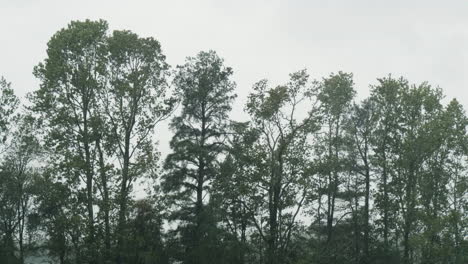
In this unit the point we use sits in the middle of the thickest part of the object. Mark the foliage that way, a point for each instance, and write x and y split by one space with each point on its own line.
312 176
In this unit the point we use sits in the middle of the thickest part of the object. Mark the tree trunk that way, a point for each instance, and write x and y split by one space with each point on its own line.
273 225
385 201
89 192
274 202
89 188
200 184
20 236
123 200
366 210
357 229
410 192
243 236
106 202
330 187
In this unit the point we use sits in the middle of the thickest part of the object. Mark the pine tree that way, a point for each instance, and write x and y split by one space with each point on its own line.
206 93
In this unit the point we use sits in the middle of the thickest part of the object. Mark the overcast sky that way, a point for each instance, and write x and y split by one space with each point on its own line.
421 40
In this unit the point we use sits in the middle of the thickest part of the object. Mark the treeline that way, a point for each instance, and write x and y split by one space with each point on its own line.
314 176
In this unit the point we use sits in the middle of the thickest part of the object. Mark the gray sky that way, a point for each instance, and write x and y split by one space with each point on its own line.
421 40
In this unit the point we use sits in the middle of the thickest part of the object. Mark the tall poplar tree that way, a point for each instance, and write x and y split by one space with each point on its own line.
133 102
336 95
284 118
386 96
70 78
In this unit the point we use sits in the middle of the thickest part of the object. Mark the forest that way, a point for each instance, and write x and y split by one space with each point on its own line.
314 175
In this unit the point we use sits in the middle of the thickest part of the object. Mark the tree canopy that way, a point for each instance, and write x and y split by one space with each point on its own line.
312 175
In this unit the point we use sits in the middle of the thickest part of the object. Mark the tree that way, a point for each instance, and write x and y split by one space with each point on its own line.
361 127
71 77
419 106
15 156
279 180
336 95
18 171
206 93
386 97
235 170
134 102
457 201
